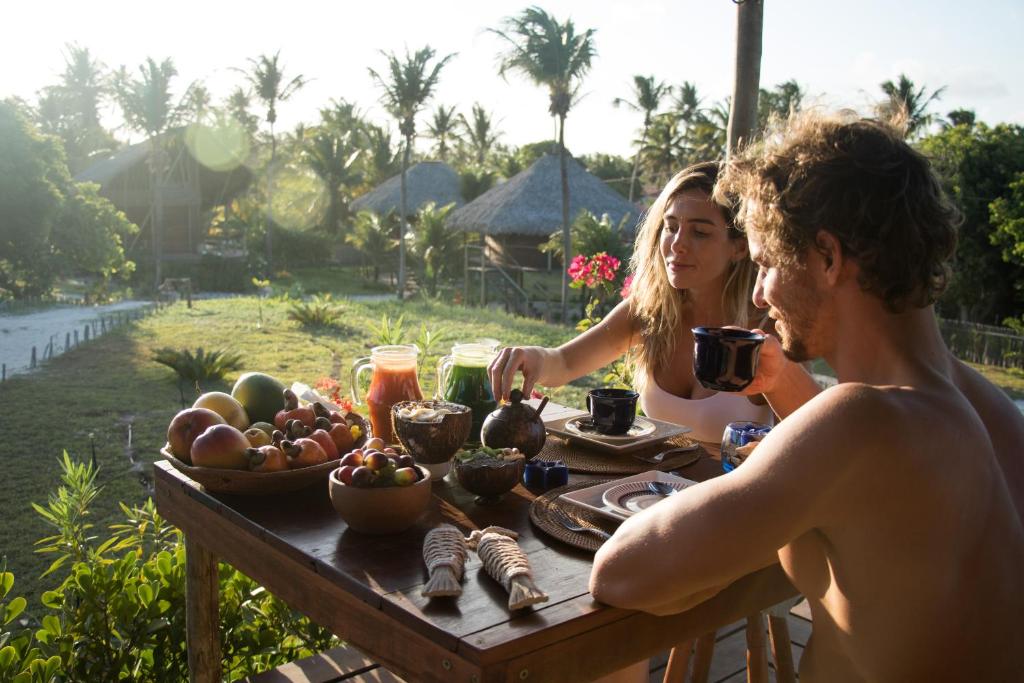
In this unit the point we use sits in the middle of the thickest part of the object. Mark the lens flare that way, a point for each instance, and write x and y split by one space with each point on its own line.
222 147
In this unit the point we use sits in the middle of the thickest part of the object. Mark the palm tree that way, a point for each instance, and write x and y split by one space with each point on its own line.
554 56
781 101
197 102
372 237
437 247
746 84
663 148
960 117
686 103
266 76
146 104
707 138
480 133
443 127
646 98
411 84
905 101
332 157
237 105
382 159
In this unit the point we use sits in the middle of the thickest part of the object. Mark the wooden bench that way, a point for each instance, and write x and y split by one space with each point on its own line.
340 664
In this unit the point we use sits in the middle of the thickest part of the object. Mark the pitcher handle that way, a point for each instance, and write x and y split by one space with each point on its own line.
444 366
358 366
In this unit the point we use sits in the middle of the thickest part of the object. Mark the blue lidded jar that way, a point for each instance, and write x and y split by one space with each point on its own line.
739 441
545 474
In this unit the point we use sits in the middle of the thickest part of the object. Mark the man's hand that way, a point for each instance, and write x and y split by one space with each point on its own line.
771 364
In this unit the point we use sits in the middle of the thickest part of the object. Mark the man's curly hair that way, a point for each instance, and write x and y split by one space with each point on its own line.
859 180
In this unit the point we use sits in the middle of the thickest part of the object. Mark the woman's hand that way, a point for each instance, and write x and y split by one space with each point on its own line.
529 360
771 364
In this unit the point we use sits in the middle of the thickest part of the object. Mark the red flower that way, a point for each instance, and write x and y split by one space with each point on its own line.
627 286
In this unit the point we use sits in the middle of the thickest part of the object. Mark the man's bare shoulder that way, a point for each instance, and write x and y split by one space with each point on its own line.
987 399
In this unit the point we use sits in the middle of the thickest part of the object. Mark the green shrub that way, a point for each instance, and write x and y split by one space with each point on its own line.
118 613
199 366
320 311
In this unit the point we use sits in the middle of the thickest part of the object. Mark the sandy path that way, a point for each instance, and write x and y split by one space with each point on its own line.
19 333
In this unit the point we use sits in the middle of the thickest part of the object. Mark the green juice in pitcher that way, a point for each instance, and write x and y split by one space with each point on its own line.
463 375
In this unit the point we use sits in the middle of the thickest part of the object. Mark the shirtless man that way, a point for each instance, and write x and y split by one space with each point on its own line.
894 500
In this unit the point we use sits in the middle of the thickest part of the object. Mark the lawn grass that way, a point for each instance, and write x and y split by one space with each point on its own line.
331 279
1010 380
90 396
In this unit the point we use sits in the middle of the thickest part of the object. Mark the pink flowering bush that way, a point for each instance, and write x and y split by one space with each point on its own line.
599 274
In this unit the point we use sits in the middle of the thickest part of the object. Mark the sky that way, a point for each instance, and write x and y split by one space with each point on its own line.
838 52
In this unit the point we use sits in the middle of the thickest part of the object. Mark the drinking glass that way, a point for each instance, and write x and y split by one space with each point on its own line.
393 379
739 441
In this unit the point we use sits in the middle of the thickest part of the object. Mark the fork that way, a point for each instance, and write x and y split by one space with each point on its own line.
563 518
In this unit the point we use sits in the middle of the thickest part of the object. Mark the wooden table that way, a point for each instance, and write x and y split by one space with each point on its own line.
366 589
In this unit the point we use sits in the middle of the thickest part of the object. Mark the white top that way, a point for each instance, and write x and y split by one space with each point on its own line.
707 416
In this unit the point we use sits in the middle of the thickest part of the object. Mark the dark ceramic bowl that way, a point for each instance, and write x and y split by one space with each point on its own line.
384 510
489 478
433 443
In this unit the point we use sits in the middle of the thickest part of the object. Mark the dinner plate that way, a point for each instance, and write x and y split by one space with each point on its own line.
634 496
584 426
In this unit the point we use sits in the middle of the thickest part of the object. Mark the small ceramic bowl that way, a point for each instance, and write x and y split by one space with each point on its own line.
488 478
432 444
385 510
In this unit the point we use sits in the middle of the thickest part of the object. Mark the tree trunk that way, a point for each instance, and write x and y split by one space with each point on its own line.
157 217
268 239
743 115
406 154
636 162
566 234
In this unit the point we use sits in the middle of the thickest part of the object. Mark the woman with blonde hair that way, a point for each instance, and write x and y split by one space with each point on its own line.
690 268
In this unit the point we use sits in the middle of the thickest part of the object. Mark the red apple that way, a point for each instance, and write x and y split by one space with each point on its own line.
186 427
221 446
326 443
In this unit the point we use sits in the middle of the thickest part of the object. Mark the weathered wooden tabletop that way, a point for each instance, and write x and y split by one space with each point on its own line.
367 588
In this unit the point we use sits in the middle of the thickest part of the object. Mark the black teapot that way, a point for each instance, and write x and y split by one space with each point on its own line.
515 425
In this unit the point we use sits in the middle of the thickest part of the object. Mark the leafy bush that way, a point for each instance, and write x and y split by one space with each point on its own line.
199 366
591 235
119 611
320 311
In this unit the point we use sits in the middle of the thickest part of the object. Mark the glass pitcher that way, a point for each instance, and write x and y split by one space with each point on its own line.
462 378
394 379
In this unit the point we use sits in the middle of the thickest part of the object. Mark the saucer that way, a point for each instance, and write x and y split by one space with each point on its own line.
633 496
584 426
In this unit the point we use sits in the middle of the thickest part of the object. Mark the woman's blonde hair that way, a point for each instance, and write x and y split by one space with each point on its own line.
653 301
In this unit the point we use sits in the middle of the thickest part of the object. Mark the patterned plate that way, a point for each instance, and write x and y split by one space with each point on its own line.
585 427
633 496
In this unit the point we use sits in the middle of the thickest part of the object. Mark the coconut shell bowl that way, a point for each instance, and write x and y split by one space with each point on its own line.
432 443
488 478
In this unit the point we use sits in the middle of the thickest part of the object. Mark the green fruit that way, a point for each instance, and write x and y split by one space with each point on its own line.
265 426
261 395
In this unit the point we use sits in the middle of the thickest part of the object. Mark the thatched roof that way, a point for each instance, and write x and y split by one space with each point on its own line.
530 203
106 170
427 181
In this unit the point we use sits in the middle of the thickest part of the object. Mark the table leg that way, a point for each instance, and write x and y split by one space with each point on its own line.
202 614
782 651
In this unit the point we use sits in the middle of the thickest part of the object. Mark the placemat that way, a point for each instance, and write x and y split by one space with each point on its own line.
581 459
541 516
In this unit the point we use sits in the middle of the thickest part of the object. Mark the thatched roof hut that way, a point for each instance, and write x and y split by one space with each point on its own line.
427 181
189 189
518 215
530 203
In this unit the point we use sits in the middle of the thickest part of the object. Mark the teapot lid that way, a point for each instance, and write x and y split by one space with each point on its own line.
516 409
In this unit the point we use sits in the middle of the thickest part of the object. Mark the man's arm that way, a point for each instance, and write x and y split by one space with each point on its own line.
696 542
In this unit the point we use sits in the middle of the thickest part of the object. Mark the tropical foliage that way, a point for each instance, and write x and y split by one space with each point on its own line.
436 247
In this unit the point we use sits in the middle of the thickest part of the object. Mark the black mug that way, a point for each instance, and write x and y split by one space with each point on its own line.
725 359
612 411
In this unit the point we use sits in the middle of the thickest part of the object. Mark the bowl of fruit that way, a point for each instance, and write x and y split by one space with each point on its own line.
376 490
489 472
432 431
214 444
